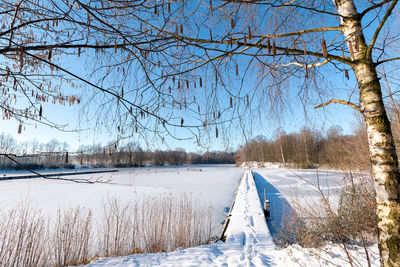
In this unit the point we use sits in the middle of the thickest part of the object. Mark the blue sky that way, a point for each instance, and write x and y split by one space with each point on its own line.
296 115
293 119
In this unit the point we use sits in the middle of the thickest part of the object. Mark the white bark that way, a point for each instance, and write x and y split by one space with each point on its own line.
382 150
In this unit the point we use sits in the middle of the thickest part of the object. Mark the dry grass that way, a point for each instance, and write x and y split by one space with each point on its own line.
23 238
28 238
71 237
160 230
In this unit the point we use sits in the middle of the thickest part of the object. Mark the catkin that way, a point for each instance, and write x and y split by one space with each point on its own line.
273 48
324 49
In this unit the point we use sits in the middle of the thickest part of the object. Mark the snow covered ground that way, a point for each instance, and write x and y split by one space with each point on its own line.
249 243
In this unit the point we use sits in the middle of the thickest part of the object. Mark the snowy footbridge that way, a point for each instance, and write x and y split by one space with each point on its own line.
246 216
248 240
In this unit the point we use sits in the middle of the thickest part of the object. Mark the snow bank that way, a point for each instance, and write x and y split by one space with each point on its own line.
256 164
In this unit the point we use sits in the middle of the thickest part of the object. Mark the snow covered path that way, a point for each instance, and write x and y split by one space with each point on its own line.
248 243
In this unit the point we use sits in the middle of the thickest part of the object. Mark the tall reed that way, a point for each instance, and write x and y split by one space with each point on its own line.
75 236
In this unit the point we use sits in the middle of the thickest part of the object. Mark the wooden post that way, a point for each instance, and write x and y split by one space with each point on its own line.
267 206
267 209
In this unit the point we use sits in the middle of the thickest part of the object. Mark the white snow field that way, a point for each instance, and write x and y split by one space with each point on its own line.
249 242
209 184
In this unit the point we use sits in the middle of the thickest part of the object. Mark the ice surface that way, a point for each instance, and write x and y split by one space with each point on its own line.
209 184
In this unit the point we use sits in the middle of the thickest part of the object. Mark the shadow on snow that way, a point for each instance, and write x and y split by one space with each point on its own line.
282 215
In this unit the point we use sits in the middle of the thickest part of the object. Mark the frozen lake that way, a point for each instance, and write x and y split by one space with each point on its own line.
210 185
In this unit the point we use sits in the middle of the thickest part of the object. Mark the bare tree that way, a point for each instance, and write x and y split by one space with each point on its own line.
7 145
158 63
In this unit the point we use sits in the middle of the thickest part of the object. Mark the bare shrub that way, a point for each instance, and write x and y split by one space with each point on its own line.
160 228
72 236
293 230
352 222
153 224
118 229
355 219
23 237
164 223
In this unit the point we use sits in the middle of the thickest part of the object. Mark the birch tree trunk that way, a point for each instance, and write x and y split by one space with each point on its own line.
382 149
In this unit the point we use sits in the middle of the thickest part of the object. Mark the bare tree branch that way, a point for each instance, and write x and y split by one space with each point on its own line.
85 181
379 28
338 101
369 9
387 60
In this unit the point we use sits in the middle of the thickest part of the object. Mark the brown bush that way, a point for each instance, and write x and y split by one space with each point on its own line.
353 222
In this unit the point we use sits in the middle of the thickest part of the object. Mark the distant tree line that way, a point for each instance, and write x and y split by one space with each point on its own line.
54 154
308 148
305 149
132 155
